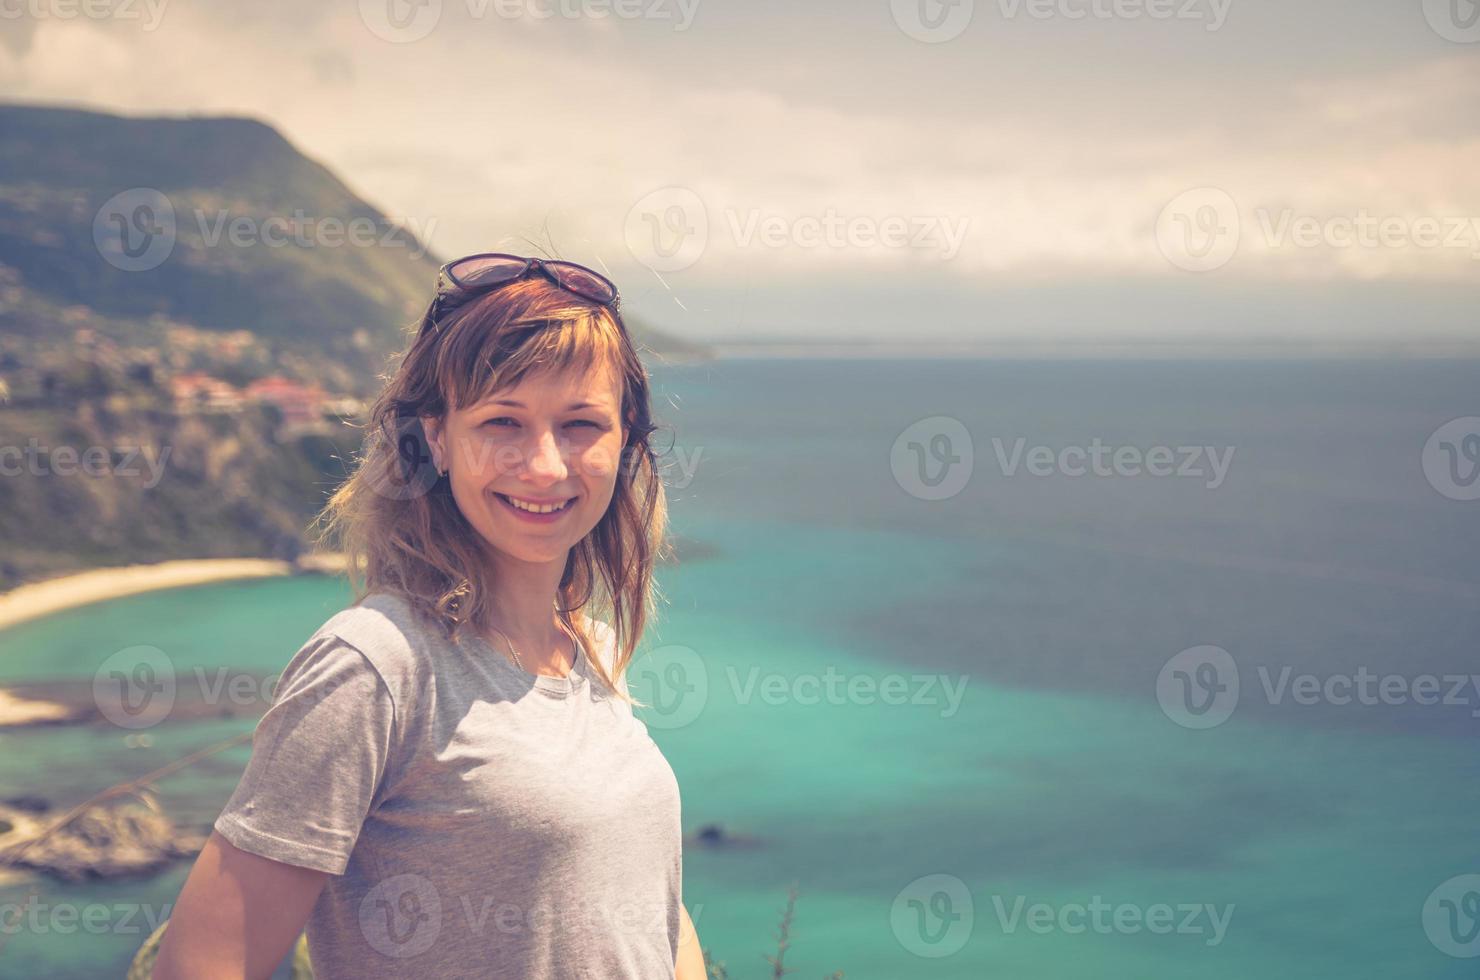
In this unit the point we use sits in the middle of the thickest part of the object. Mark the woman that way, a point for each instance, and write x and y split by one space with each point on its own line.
450 781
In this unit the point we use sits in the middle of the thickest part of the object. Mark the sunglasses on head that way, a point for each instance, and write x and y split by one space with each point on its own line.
473 275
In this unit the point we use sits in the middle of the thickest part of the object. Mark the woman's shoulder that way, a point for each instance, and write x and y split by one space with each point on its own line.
387 630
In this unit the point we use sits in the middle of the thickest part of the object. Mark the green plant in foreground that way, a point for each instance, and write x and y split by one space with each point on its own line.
718 971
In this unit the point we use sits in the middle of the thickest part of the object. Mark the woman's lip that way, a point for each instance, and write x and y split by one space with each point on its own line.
537 503
531 517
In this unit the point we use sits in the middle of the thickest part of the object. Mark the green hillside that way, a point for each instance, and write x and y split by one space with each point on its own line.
195 285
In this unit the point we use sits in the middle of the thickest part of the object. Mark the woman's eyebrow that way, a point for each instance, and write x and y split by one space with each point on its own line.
574 406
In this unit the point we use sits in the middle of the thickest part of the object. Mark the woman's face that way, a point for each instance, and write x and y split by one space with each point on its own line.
553 439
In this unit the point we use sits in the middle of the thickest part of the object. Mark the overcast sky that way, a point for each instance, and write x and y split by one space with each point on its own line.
996 169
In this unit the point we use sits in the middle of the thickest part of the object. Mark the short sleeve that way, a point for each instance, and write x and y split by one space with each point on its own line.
319 759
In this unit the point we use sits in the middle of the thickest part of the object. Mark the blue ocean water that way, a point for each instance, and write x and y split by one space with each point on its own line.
955 724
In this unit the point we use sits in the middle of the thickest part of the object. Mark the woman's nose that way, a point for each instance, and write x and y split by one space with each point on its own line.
547 456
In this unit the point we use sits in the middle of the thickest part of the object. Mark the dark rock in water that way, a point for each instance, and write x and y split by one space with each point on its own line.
29 803
716 836
105 841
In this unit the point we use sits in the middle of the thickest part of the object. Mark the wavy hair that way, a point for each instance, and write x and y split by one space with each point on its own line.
395 518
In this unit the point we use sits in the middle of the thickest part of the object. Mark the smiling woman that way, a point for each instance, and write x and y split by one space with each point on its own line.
450 780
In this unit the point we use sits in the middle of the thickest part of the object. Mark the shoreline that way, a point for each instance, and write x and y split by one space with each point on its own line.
35 600
66 592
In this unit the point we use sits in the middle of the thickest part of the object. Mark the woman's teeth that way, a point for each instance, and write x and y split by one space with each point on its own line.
536 508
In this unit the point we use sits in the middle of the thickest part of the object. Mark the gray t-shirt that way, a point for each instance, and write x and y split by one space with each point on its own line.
476 820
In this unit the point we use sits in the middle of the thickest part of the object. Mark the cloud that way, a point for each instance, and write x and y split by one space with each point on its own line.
496 131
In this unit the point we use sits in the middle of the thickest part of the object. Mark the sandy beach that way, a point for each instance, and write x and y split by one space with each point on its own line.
37 599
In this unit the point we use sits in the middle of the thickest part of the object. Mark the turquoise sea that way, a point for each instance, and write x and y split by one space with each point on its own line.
952 723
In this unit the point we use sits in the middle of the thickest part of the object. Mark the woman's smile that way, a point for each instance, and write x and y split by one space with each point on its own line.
537 510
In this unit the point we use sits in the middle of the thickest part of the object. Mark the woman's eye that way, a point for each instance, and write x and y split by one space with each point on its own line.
502 419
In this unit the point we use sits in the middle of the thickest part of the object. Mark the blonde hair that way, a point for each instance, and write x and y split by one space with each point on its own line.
395 518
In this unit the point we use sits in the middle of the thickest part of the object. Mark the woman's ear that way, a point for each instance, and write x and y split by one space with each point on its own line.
431 427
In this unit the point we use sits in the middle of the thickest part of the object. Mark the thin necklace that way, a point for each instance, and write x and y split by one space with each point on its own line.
520 661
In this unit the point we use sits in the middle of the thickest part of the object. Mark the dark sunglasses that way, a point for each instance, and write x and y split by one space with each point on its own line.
473 275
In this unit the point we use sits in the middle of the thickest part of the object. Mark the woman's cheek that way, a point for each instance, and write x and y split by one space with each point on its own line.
599 462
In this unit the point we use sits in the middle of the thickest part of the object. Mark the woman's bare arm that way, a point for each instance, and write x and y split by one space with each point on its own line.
237 916
690 964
